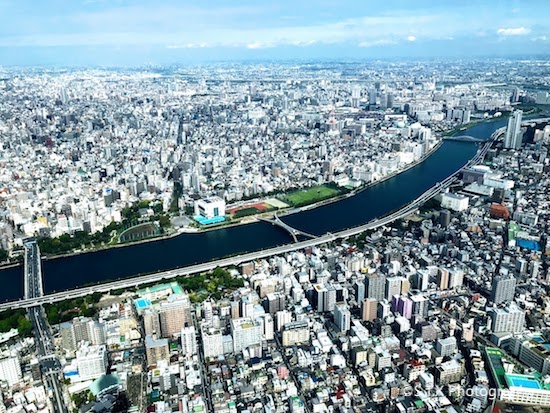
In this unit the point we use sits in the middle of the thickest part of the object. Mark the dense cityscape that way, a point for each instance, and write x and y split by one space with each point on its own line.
443 309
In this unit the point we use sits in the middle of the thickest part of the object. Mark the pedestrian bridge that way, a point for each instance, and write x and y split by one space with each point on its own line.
291 230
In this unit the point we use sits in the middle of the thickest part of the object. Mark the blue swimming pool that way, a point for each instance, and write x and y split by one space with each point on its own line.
142 303
522 381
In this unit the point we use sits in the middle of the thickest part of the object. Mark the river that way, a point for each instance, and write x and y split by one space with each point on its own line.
378 200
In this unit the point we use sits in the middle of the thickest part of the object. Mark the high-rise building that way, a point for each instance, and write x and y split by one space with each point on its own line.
342 317
422 279
442 278
355 96
393 287
268 327
283 317
503 289
157 350
10 370
405 307
507 320
81 329
174 314
369 309
245 333
212 341
296 333
446 346
456 278
426 331
514 137
419 305
91 361
359 290
189 341
151 322
375 285
324 297
274 302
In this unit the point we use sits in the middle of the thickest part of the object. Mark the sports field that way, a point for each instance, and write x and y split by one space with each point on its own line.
311 195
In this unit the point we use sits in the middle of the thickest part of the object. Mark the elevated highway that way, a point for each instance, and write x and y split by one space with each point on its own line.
50 365
28 302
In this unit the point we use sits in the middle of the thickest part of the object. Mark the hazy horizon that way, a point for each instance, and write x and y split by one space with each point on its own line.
124 33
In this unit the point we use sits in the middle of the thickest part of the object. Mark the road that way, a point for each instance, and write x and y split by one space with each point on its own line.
225 262
50 365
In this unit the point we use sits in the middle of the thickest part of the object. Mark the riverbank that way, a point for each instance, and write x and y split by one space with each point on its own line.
366 186
204 247
249 219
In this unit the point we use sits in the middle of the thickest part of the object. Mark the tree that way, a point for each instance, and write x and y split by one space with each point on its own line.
164 221
24 327
3 255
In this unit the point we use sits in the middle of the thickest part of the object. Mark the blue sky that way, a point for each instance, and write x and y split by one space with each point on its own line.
124 32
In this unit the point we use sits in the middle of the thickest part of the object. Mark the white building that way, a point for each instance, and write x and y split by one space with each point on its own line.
455 202
245 333
188 341
209 208
513 137
446 346
10 370
91 361
507 320
530 396
296 333
212 341
342 317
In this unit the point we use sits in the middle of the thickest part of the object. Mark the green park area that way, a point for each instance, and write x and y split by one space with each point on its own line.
311 195
15 319
69 309
210 284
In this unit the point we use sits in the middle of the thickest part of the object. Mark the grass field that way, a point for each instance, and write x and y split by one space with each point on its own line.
311 195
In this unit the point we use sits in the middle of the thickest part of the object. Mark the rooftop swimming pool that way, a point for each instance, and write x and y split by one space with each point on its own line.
516 380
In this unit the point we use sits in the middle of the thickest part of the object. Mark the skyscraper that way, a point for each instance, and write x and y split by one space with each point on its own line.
504 288
513 137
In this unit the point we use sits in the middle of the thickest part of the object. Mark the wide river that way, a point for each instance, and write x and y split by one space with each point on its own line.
186 249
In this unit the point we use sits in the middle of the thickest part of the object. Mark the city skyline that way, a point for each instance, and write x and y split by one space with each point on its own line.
123 33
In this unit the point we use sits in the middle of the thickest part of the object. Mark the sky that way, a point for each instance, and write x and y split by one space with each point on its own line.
140 32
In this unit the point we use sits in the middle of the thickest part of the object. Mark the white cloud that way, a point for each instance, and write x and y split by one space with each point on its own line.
379 42
513 31
411 38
